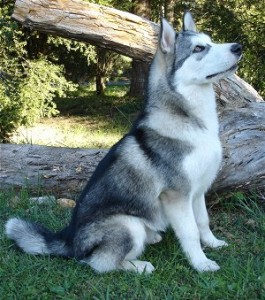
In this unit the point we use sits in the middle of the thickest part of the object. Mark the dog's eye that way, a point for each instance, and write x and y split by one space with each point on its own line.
198 49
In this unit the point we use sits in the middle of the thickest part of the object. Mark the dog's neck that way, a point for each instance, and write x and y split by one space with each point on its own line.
195 104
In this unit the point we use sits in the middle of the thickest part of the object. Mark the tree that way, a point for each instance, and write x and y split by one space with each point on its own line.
101 69
139 70
170 11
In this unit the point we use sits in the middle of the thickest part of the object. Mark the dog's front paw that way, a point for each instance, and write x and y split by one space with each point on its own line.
215 243
206 265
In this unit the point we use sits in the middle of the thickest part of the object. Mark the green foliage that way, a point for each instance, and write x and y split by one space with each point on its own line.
27 86
78 58
12 48
44 81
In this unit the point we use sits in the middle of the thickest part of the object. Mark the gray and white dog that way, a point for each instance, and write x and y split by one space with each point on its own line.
156 175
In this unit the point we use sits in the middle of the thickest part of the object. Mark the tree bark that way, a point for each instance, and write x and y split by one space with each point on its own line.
242 132
139 73
242 118
139 70
101 70
61 171
99 25
169 11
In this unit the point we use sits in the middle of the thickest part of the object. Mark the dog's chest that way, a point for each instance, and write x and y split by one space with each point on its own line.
203 162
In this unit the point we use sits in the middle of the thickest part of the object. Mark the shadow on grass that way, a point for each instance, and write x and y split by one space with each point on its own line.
85 102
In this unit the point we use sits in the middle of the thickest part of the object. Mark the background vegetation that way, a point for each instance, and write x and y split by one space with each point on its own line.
36 68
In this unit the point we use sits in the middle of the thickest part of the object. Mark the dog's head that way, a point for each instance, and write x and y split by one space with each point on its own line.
192 58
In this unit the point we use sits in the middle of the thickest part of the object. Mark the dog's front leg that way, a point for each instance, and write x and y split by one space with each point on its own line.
202 220
180 215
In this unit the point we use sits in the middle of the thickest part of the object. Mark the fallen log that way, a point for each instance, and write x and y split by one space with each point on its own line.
99 25
64 171
60 171
242 132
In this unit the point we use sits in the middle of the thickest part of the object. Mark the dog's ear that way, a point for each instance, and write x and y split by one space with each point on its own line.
188 22
167 37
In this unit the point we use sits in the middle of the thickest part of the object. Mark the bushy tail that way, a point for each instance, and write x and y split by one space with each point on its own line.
36 239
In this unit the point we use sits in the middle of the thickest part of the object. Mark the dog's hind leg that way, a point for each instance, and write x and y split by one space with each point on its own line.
202 220
140 235
180 214
130 263
123 241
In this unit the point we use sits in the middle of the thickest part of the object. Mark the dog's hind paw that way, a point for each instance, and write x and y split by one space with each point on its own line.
206 265
138 266
156 238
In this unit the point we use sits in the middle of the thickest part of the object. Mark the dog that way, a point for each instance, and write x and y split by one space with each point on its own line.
157 175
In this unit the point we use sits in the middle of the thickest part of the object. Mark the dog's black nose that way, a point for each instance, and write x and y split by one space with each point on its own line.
237 49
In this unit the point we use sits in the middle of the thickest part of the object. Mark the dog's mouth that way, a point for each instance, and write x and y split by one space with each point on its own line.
233 68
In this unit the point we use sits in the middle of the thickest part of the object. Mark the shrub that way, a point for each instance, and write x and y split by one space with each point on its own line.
27 87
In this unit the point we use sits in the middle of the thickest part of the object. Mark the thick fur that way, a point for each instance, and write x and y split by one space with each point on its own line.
157 175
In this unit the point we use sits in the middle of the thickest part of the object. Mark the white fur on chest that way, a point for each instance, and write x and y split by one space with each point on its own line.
202 164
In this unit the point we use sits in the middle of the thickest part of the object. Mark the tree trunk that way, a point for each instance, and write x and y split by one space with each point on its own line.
169 11
242 118
139 74
242 132
100 84
60 171
100 72
139 71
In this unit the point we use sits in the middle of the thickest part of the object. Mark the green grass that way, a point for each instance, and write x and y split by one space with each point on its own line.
85 120
239 220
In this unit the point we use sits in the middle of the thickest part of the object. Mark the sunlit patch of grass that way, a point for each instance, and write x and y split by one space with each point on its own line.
86 120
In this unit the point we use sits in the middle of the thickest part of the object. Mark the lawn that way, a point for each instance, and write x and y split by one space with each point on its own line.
86 120
239 220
